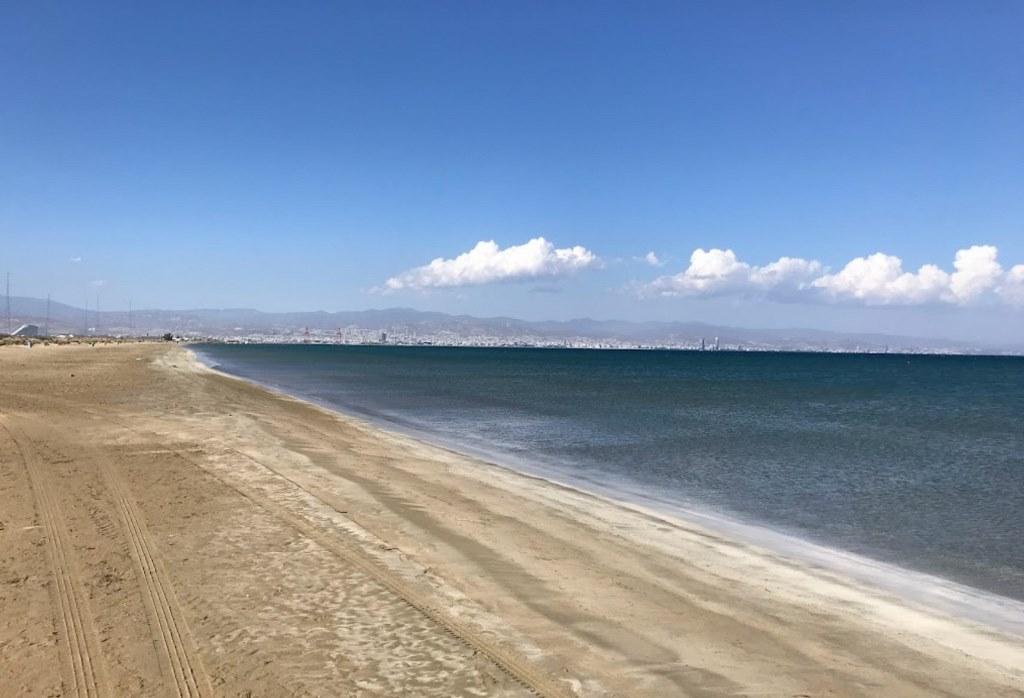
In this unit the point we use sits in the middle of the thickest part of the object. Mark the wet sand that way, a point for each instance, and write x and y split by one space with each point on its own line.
166 530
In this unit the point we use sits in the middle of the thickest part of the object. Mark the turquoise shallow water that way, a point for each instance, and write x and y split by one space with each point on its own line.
914 460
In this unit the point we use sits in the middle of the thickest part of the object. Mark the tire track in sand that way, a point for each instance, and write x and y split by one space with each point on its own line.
174 639
351 551
513 666
84 671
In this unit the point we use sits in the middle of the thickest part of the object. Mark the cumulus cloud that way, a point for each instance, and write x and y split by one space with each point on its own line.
1012 288
76 260
877 279
785 273
719 272
977 271
652 259
488 263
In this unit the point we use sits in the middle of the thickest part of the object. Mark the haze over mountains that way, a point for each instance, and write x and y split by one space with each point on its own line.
438 327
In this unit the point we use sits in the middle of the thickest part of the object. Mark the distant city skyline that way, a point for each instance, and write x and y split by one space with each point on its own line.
850 168
412 327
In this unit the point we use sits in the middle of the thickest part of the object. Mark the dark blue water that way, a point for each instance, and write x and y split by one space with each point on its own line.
916 460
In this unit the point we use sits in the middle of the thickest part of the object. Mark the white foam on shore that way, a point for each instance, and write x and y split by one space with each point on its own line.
927 591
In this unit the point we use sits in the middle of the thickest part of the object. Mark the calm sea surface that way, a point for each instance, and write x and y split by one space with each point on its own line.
915 460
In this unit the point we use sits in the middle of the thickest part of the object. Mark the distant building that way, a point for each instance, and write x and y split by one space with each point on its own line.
26 331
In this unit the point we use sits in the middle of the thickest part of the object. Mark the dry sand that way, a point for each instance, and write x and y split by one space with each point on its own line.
165 530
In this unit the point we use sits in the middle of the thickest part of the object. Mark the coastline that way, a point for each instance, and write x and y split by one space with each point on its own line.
307 549
925 593
932 593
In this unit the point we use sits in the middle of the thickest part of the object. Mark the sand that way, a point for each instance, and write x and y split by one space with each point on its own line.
166 530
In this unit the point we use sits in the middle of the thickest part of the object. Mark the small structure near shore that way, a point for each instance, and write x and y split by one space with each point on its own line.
26 331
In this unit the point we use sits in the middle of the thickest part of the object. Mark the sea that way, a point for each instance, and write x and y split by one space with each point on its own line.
907 468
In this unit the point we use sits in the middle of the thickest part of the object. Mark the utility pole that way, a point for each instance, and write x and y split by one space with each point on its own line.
46 327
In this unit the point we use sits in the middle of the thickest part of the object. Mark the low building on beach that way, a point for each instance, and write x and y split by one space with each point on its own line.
26 331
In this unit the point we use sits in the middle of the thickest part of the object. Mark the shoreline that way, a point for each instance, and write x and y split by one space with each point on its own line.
297 549
904 353
929 591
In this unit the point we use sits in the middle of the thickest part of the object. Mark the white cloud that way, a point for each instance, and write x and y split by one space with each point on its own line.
787 272
977 271
76 260
719 272
1012 288
99 283
488 263
877 279
652 259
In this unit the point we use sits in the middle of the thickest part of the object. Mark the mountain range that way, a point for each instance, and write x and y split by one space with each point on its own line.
246 322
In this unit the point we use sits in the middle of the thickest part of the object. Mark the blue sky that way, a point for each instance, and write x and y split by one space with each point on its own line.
300 156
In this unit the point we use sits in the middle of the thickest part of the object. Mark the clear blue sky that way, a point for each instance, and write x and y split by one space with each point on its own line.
299 155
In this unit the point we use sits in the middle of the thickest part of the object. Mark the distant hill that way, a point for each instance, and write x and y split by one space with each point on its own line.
236 322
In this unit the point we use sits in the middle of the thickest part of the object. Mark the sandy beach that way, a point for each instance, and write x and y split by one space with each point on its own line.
168 530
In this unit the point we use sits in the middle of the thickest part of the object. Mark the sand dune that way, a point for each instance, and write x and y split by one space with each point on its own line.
166 530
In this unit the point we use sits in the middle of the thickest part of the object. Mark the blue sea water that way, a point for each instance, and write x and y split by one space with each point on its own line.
911 460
